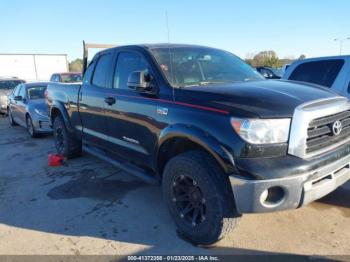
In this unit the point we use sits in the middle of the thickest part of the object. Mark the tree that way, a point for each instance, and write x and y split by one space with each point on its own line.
265 58
76 65
301 57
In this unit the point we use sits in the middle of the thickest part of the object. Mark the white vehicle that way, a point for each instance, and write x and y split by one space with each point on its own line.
7 84
32 67
332 72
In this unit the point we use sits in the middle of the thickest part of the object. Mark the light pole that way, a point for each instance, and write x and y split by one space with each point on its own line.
341 41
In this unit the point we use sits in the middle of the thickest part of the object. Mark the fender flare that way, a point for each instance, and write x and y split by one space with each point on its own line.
61 108
200 137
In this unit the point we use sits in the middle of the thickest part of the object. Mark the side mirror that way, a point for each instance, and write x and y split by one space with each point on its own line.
140 80
18 98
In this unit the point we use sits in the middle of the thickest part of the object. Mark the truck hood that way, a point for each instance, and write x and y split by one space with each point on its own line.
263 99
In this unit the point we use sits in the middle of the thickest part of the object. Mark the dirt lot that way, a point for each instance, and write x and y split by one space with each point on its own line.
89 207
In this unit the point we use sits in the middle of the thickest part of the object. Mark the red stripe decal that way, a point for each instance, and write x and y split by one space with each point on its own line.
178 103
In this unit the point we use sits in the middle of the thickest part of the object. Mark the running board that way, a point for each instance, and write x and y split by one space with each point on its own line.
127 168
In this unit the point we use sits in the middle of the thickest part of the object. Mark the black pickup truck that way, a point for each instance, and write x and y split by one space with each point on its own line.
220 139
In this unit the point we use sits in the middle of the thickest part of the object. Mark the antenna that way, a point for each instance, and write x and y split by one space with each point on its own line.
170 60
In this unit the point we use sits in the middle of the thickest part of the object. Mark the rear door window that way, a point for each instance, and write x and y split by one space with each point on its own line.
318 72
88 73
101 71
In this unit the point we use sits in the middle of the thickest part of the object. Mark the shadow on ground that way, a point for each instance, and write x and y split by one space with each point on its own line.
91 198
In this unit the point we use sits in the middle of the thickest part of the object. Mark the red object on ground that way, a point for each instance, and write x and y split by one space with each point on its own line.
55 159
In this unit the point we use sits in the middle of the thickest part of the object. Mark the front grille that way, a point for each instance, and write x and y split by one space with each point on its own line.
320 131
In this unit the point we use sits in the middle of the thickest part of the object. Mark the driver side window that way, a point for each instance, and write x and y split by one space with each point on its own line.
127 63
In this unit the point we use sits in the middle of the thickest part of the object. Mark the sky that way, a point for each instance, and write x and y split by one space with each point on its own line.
290 28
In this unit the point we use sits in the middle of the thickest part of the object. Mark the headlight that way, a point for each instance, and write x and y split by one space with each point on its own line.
262 131
41 112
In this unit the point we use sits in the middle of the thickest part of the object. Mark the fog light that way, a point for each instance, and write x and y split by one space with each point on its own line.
272 196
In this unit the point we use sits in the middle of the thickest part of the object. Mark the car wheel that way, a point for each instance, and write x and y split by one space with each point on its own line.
199 198
65 143
30 127
10 117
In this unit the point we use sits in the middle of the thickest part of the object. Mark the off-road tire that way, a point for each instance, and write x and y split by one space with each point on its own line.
65 143
221 216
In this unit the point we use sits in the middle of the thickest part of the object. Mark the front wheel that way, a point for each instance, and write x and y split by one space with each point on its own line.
199 198
30 127
65 143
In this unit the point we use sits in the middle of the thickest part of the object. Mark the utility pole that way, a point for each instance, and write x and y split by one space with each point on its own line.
341 41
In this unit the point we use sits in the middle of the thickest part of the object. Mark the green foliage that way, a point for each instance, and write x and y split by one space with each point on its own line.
270 58
76 65
266 58
301 57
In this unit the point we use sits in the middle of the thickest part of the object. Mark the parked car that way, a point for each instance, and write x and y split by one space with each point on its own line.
331 72
220 139
269 72
7 84
69 77
27 107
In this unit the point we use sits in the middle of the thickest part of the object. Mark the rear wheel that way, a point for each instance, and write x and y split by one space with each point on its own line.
199 198
30 127
65 143
10 117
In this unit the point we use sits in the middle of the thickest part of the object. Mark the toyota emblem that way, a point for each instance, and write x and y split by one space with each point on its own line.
337 128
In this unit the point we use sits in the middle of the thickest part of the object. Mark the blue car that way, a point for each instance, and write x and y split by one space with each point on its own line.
27 107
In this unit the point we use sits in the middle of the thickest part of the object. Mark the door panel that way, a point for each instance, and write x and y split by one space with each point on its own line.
91 100
131 124
91 109
21 106
13 103
132 127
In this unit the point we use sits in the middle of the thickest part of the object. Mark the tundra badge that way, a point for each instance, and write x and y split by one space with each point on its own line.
162 111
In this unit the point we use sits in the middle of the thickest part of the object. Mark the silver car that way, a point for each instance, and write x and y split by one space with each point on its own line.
6 87
27 107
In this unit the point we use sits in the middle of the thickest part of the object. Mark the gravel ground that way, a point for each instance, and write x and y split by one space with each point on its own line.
89 207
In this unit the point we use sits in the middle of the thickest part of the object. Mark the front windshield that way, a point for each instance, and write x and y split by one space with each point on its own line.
36 92
9 84
194 66
71 78
277 71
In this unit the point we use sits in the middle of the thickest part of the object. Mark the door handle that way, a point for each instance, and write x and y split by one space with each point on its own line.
110 100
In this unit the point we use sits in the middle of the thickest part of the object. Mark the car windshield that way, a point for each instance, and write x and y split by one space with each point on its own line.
195 66
9 84
278 71
36 92
71 78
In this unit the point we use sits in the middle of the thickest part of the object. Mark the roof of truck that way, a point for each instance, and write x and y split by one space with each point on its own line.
161 45
169 45
325 58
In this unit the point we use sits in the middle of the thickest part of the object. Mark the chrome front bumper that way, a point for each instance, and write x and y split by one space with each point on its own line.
297 190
